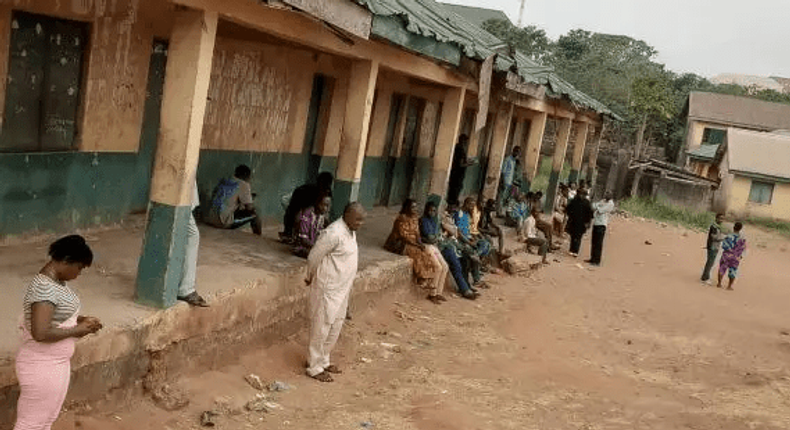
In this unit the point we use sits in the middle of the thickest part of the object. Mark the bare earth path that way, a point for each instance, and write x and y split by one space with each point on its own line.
636 344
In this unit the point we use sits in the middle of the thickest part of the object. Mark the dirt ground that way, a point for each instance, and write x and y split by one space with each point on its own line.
639 343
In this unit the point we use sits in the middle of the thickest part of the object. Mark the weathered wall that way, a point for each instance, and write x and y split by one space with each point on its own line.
274 176
114 86
739 204
57 192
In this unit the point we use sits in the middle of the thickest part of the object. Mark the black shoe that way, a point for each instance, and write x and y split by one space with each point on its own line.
469 295
194 299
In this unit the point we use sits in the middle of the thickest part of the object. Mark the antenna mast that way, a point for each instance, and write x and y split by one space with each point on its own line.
521 14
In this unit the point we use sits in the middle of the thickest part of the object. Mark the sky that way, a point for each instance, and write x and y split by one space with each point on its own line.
706 37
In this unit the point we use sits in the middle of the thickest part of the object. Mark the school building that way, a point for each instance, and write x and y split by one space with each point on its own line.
114 108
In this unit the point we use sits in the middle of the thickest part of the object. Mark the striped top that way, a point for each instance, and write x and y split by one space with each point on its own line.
44 289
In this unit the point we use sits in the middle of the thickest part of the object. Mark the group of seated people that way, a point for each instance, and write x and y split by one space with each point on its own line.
306 214
456 242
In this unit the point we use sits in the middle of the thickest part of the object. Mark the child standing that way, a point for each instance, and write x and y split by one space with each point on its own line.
733 249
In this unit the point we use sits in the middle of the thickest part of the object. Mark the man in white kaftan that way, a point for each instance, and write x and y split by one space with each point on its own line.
331 270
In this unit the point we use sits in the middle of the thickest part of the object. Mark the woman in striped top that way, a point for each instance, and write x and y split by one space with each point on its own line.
50 327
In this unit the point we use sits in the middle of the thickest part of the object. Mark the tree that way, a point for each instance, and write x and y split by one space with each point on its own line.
530 40
652 96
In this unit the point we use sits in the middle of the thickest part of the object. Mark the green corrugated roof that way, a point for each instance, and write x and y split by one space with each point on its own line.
430 19
477 15
704 152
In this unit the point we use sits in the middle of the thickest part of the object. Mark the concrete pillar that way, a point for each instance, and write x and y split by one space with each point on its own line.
183 108
496 153
578 151
592 162
563 136
531 154
359 104
446 139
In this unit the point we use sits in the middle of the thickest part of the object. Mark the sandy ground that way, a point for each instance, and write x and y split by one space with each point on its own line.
636 344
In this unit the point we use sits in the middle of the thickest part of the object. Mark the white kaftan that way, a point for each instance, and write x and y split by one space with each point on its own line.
331 270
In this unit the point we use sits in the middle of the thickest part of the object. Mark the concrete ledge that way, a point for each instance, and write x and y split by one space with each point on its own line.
174 340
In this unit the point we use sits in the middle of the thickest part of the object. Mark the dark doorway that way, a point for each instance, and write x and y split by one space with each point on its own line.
317 119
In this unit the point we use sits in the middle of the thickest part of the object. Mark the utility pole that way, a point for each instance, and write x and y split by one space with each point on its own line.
521 14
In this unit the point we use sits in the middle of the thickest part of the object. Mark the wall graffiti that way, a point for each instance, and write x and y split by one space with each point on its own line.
250 99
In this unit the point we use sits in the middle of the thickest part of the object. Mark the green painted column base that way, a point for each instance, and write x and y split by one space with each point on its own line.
551 192
573 176
344 192
162 260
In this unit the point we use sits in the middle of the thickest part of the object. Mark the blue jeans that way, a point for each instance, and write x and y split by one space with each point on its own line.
712 254
456 269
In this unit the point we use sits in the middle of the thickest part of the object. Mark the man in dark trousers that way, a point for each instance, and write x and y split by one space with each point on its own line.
602 211
302 198
580 213
715 237
458 171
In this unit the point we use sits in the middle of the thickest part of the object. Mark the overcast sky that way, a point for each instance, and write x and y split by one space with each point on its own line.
707 37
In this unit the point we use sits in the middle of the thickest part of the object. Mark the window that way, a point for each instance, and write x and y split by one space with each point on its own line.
713 136
44 79
761 192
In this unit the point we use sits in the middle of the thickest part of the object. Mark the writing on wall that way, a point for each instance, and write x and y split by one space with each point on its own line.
251 98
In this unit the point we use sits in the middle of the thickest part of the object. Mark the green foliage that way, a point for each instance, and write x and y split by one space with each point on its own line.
621 72
781 227
677 215
530 40
541 181
670 214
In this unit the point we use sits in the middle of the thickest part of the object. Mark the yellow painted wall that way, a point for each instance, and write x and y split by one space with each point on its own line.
114 87
260 94
739 204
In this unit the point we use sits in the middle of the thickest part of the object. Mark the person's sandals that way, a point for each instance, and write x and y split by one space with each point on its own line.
194 299
435 300
323 377
333 369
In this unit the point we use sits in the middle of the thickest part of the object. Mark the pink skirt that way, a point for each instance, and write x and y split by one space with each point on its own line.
44 372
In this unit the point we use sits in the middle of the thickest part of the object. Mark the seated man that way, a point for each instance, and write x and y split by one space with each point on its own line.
489 228
309 223
231 203
467 220
518 212
302 198
470 261
530 226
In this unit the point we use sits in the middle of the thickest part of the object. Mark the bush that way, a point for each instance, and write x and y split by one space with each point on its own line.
670 214
677 215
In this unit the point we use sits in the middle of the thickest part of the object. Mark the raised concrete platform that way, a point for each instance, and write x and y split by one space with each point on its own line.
254 285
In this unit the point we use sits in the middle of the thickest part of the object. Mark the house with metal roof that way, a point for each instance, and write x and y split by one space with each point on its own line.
709 115
754 168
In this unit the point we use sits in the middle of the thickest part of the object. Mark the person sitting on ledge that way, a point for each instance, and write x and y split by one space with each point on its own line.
231 203
405 240
309 223
304 197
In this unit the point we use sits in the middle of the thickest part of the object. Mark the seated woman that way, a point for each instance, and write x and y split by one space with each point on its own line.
405 240
50 327
309 223
431 234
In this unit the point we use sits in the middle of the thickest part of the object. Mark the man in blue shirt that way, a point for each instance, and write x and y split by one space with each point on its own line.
510 171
